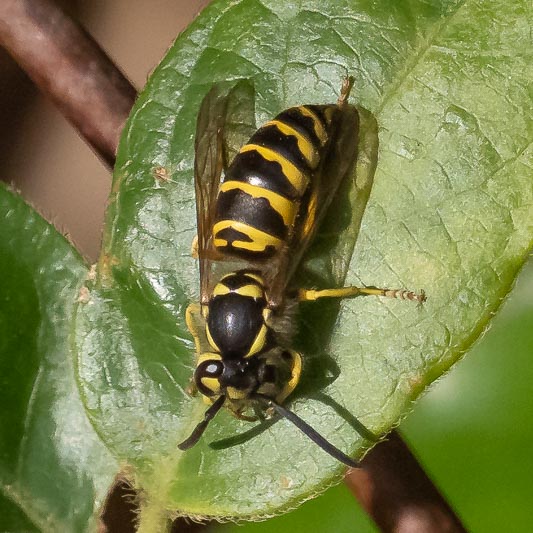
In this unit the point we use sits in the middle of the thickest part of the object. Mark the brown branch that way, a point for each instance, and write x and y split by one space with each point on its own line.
396 492
69 67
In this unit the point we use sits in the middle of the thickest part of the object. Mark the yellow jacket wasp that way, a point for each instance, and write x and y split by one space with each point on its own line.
262 212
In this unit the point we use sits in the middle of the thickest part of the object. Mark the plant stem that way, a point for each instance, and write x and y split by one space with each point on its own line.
70 68
396 492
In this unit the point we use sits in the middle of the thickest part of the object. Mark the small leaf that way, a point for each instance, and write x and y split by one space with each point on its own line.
450 212
54 471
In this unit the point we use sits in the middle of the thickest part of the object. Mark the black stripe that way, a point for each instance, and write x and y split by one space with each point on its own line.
251 167
285 145
319 111
239 279
256 212
231 234
302 124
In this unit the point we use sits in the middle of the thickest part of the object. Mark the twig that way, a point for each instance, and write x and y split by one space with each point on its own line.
396 492
68 66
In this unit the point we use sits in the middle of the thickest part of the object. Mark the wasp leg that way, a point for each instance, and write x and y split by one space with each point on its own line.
193 310
194 247
295 362
238 414
260 413
209 253
310 295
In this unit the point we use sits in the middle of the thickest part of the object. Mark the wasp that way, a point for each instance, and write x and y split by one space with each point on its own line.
261 213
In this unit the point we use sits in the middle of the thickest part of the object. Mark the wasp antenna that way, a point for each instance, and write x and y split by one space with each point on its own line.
200 428
305 428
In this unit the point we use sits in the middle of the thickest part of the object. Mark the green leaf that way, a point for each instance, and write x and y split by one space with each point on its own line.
450 212
54 471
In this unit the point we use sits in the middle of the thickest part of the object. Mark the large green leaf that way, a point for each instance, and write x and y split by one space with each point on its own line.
450 212
54 471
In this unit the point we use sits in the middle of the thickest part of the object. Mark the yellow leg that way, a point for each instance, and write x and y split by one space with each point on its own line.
310 295
192 310
296 371
194 247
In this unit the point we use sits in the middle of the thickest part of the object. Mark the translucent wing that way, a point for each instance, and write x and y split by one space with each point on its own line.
336 165
225 117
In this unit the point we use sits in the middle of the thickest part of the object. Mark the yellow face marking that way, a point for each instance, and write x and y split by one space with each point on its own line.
320 131
304 144
260 239
285 207
236 394
298 179
259 342
212 384
266 314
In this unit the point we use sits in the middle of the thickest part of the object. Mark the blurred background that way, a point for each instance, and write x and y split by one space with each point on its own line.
472 432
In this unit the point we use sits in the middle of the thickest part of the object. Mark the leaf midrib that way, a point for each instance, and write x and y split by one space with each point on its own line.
410 66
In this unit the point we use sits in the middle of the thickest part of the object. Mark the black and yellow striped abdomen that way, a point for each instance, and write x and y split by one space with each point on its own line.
261 193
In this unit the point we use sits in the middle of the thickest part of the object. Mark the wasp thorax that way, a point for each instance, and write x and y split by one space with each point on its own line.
237 316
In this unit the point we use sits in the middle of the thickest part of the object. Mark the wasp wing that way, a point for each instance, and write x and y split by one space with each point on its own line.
336 165
225 118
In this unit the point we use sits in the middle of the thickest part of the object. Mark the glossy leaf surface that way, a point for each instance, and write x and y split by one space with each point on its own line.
450 211
54 471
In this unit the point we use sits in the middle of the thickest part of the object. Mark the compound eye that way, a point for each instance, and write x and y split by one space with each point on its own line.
206 377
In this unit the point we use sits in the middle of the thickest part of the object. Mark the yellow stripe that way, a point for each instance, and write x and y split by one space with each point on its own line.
259 342
255 277
210 339
328 114
304 144
220 289
260 239
320 131
298 179
251 290
209 356
285 207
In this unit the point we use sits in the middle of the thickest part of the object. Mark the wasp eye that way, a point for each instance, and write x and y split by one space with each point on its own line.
206 376
213 369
